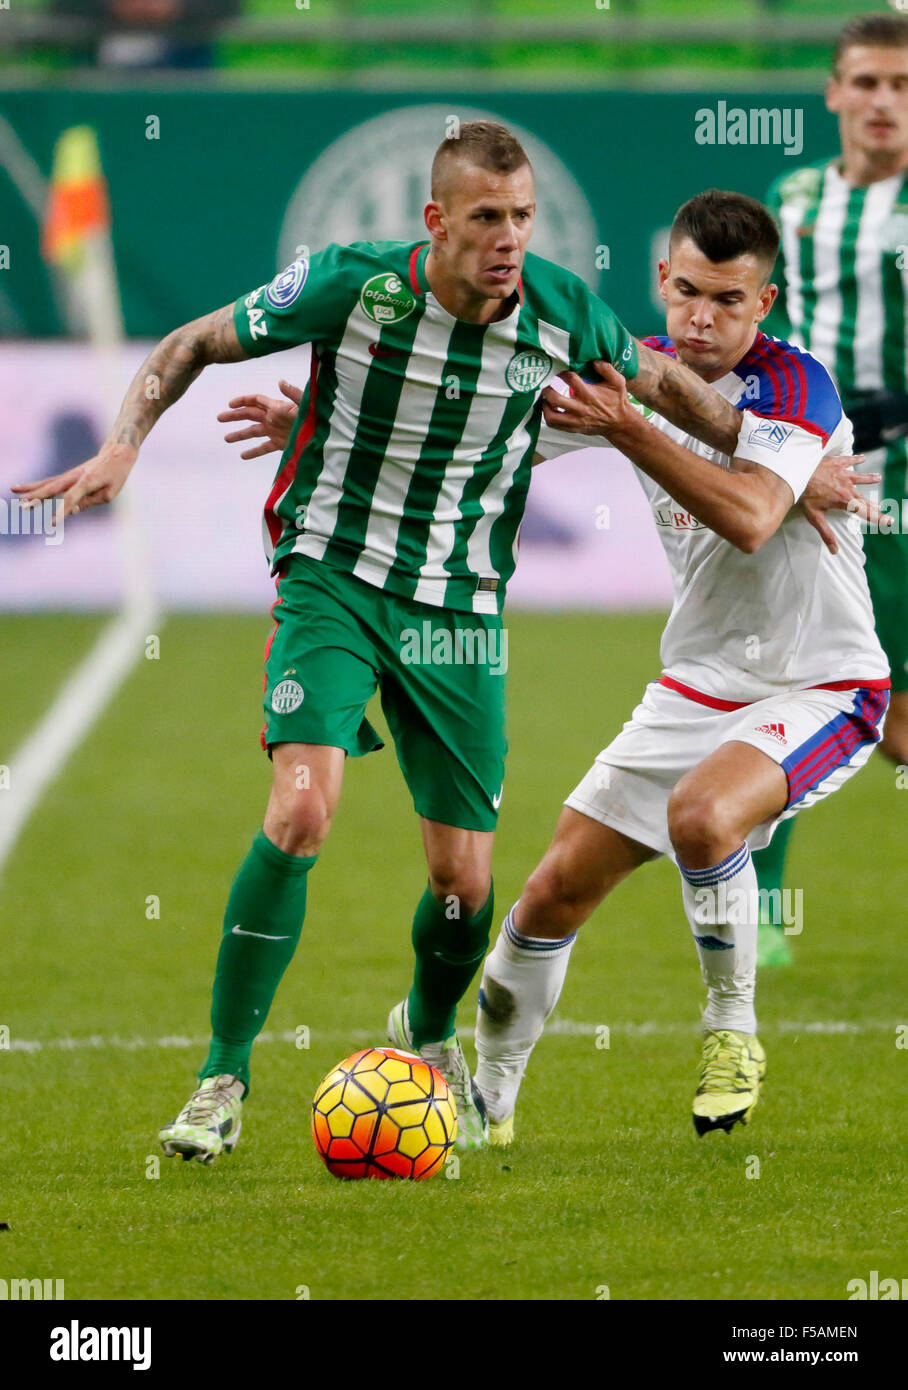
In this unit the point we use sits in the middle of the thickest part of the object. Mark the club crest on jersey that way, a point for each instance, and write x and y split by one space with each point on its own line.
527 370
801 186
286 287
386 299
770 434
287 696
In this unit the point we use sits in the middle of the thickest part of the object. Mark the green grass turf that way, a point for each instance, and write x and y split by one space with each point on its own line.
606 1183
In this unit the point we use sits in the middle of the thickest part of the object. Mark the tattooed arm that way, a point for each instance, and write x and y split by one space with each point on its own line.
165 374
678 394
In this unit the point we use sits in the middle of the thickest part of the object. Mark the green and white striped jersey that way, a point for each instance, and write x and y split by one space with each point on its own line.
410 459
843 274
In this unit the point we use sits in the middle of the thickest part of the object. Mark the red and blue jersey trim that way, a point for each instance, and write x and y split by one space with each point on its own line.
785 383
782 382
659 343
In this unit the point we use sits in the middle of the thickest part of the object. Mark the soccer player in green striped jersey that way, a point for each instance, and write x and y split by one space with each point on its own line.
392 529
843 277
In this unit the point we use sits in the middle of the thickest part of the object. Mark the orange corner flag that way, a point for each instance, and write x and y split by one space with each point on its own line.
78 205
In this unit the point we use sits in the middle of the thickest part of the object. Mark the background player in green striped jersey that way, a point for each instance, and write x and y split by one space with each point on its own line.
843 278
392 529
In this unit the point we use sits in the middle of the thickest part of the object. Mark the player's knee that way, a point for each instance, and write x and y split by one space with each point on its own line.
299 824
894 743
456 883
553 894
700 825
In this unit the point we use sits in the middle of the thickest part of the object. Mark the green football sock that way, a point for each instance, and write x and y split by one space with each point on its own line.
770 862
449 950
262 925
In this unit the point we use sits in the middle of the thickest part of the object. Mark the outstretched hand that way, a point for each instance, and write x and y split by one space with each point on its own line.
88 484
273 420
834 487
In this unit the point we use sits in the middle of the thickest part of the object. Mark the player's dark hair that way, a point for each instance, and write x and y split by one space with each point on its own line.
875 30
725 225
485 143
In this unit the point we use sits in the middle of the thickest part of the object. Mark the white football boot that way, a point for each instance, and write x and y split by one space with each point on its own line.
446 1057
209 1122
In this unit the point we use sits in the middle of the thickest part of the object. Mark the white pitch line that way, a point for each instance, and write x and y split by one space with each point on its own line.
43 755
564 1026
98 677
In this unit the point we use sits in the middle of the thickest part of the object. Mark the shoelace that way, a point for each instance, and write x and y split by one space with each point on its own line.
721 1069
450 1062
202 1105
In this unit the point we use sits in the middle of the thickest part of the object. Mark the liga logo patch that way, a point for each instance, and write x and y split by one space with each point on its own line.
770 434
287 696
386 299
286 287
527 370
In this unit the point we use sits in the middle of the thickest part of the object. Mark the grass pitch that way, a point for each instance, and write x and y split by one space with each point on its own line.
606 1185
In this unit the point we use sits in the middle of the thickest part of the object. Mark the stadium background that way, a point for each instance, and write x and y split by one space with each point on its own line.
280 127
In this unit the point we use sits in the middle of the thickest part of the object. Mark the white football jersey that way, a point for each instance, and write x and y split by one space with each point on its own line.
790 616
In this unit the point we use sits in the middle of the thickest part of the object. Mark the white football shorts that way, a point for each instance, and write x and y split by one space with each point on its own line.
819 737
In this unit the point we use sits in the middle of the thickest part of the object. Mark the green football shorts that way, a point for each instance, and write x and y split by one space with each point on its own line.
441 674
887 570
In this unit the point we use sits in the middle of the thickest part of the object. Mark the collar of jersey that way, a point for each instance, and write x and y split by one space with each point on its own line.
418 282
837 166
420 285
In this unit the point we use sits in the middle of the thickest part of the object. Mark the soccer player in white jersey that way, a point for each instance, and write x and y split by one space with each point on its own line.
774 684
843 278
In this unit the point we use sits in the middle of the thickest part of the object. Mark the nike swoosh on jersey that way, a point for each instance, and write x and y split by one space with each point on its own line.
375 350
496 800
238 931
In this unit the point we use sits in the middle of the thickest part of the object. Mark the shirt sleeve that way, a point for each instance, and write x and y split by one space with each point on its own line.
308 302
794 412
603 336
784 448
552 443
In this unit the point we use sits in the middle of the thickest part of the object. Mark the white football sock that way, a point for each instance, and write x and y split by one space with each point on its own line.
521 981
722 906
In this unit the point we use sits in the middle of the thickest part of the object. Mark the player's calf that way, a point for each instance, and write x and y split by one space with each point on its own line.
521 982
523 977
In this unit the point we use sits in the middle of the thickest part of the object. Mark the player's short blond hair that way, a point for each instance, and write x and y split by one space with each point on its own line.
486 144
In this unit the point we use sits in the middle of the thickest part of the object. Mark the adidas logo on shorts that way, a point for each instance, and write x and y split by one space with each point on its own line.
774 730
